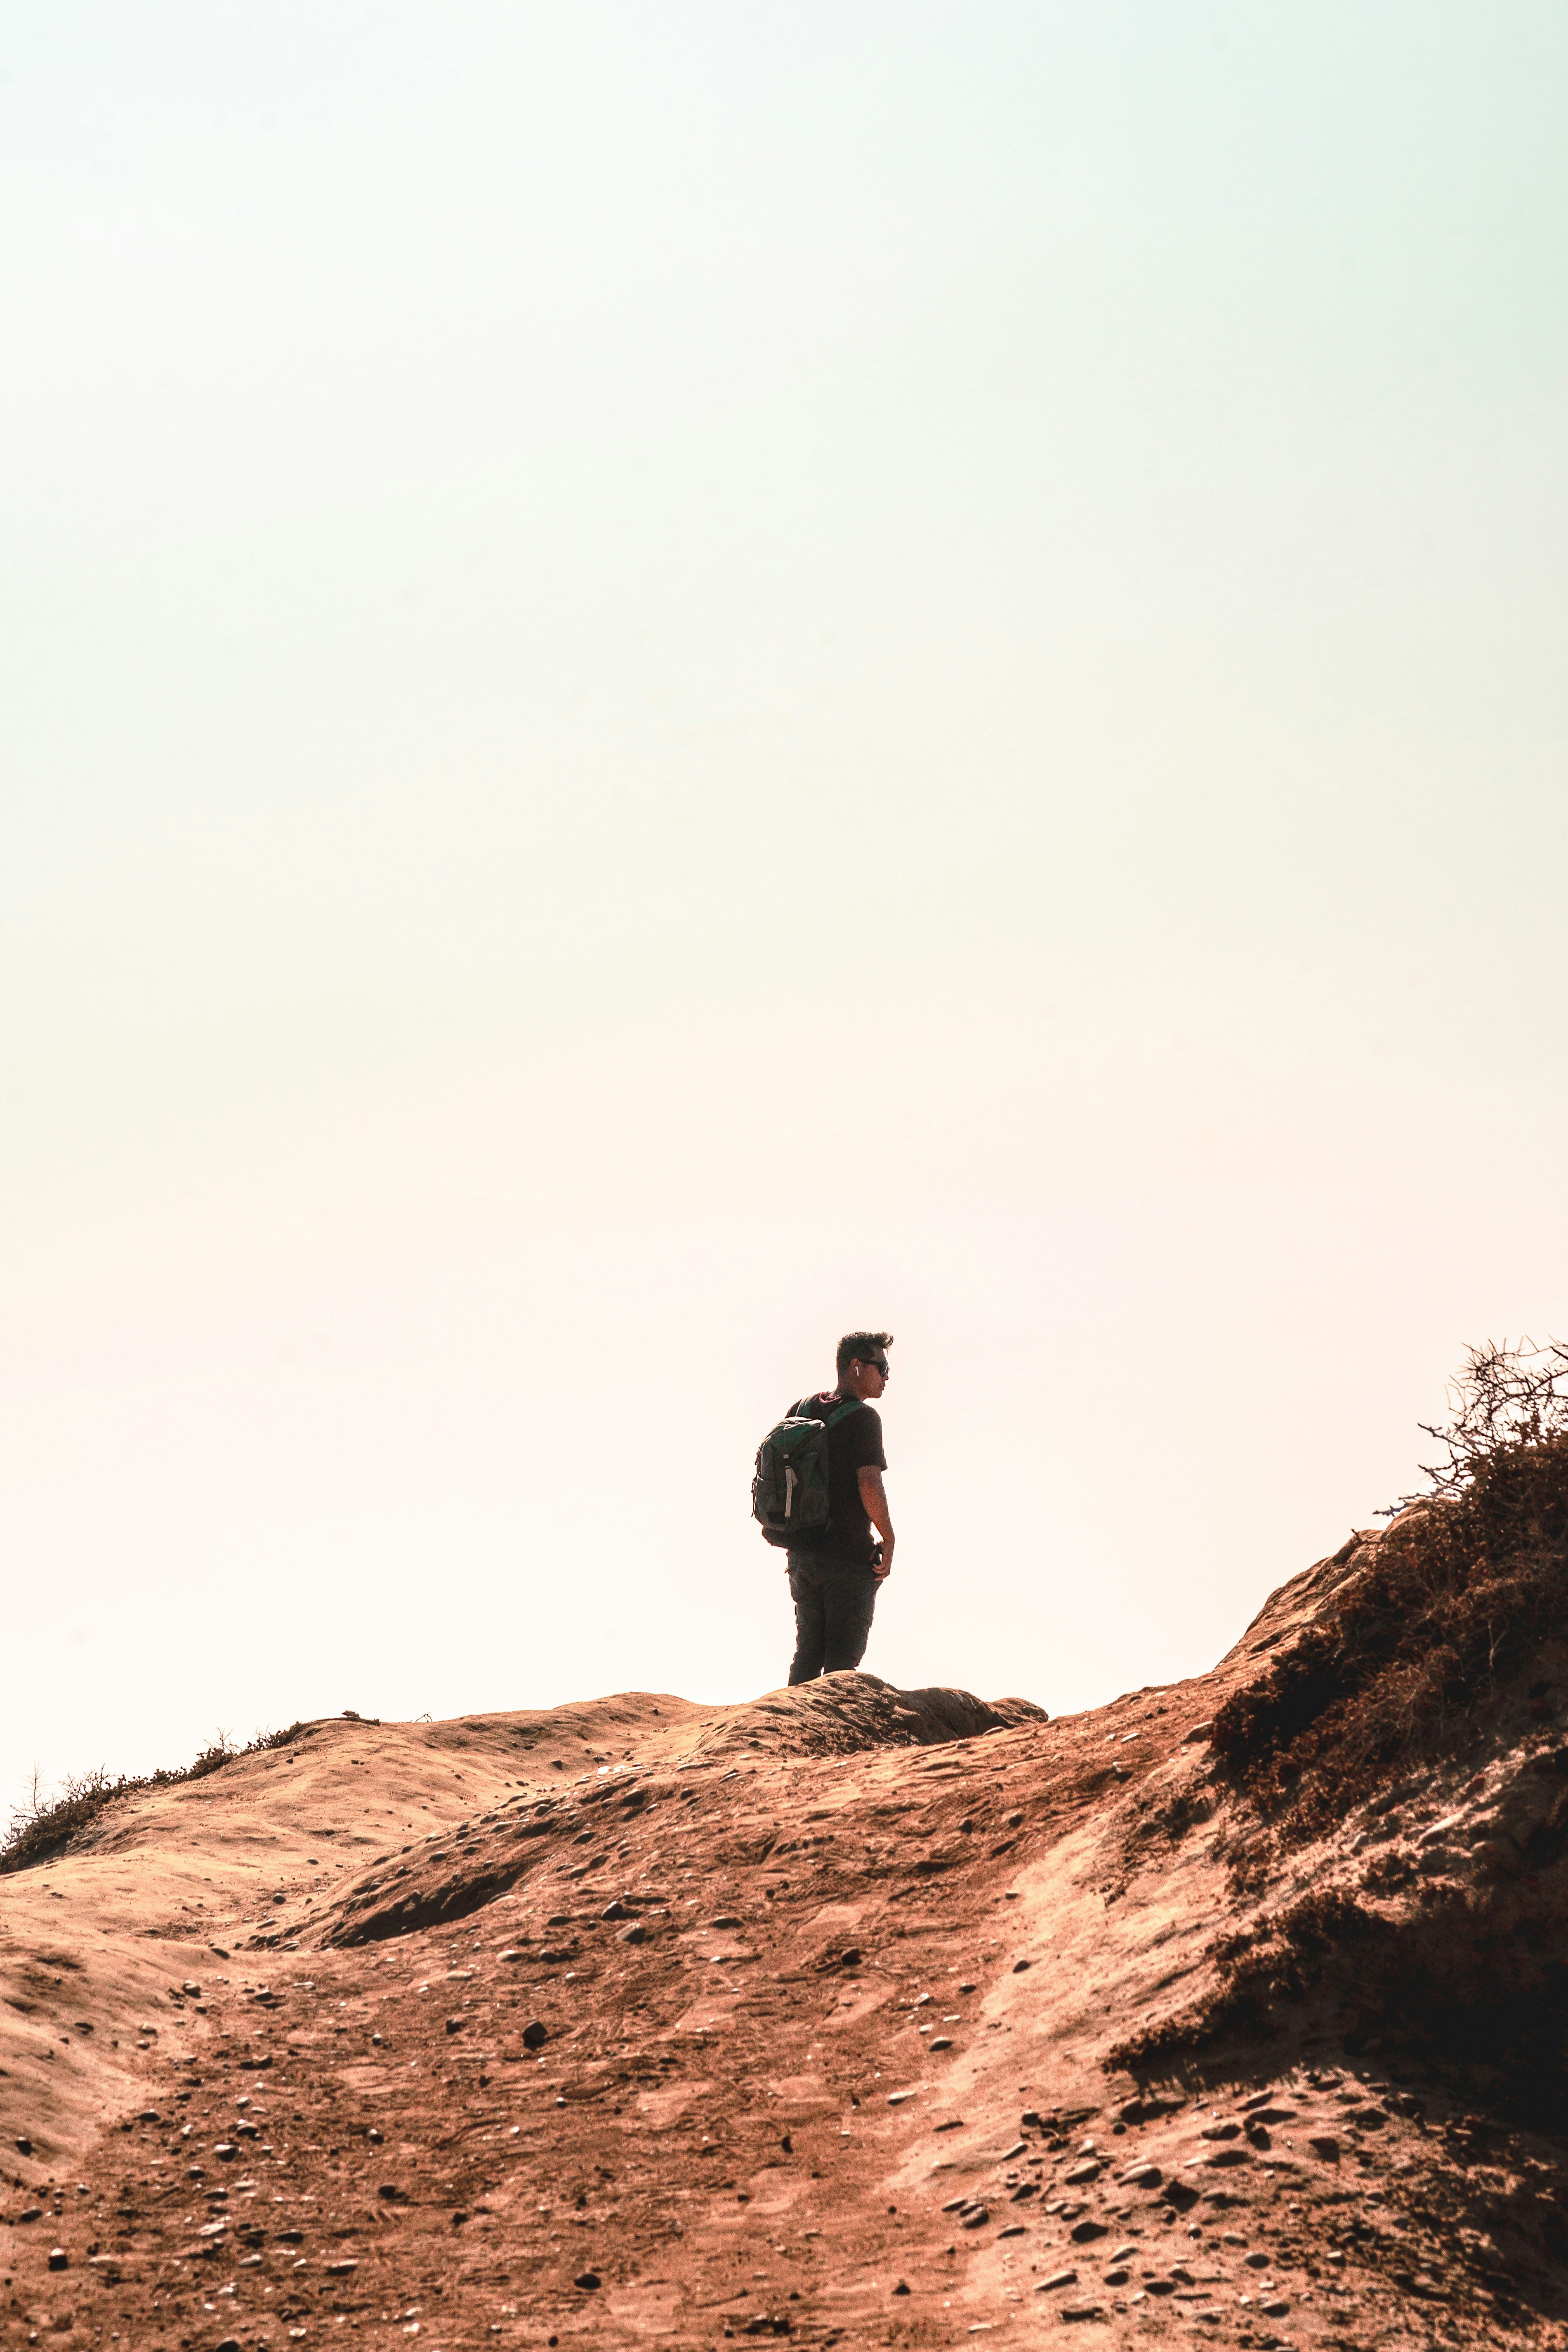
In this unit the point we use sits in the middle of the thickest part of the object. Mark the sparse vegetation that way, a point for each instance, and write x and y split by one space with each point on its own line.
43 1827
1450 1615
1466 1584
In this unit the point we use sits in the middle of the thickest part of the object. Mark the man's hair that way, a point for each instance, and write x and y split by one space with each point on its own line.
860 1346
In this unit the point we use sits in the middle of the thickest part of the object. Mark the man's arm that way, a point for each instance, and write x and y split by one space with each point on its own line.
873 1495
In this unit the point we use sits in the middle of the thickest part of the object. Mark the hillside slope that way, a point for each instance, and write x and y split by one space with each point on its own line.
851 2015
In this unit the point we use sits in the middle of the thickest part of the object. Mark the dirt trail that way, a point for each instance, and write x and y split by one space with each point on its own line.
641 2020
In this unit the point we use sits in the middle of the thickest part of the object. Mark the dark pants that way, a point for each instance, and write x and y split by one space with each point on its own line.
833 1604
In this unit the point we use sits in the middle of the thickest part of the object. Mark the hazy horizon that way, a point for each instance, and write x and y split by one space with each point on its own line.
678 678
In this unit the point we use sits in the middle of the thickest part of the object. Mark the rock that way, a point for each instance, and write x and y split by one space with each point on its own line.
1080 2173
1029 2120
24 2146
149 2115
192 1987
636 1934
1084 2233
1083 2311
226 2150
901 2288
976 2218
1224 2156
58 2258
229 2344
615 1910
725 1919
510 1955
455 2024
31 2213
1059 2278
1195 1732
1019 1966
1323 2145
1275 2310
390 2190
587 2281
1014 1821
1221 2131
897 2098
344 2269
941 2041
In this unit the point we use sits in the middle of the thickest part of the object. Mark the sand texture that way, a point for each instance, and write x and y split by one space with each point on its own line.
640 2021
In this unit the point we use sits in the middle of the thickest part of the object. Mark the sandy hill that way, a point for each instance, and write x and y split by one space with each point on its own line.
853 2015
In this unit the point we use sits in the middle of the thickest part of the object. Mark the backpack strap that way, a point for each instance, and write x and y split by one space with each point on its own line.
852 1405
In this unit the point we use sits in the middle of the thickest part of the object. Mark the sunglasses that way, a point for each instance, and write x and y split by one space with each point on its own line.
875 1367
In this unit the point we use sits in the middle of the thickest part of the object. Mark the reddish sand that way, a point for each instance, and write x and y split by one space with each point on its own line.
826 1994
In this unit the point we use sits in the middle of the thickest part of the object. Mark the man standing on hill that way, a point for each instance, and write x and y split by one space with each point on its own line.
835 1585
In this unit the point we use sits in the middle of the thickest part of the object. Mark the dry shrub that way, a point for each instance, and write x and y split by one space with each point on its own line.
1459 1593
43 1828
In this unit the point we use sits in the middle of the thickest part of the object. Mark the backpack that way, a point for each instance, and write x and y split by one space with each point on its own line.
789 1487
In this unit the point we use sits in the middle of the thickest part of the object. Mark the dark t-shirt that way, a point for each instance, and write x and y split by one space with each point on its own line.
854 1445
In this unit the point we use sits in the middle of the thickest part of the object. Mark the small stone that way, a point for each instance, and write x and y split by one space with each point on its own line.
1057 2278
1083 2311
1017 2230
1279 2310
897 2098
191 1987
1197 1731
615 1910
58 2258
976 2219
940 2042
391 2193
725 1919
1325 2147
1019 1966
455 2024
226 2150
24 2146
1118 2277
1015 1821
1083 2233
149 2115
636 1934
587 2281
1142 2176
508 1955
1029 2120
229 2344
341 2270
31 2213
901 2288
1090 2170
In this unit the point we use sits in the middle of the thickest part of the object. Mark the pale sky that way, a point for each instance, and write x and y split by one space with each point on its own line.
680 677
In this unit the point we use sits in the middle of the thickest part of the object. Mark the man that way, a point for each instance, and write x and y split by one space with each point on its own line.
835 1585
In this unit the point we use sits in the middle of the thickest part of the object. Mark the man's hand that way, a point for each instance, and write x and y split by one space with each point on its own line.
874 1499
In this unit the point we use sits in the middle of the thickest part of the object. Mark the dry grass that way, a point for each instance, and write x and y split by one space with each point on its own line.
45 1827
1460 1593
1458 1598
